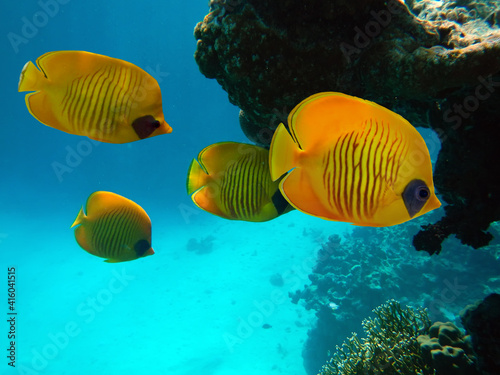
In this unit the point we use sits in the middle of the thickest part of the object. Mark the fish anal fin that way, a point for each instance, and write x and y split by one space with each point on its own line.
204 198
39 106
298 192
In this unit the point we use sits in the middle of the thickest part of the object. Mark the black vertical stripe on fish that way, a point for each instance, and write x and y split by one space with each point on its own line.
74 102
239 188
98 231
105 99
95 98
250 187
67 96
359 145
122 93
337 175
109 245
375 168
132 92
119 230
87 87
224 193
103 245
111 105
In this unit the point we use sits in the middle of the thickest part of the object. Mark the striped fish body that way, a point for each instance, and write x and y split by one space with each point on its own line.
352 160
113 227
232 180
97 96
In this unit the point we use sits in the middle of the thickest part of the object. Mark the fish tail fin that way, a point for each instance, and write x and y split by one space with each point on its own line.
283 153
197 177
31 79
79 219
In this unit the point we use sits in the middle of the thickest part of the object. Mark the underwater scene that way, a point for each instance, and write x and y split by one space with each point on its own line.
250 187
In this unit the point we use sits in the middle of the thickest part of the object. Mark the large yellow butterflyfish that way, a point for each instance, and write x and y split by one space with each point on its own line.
352 160
113 227
103 98
232 180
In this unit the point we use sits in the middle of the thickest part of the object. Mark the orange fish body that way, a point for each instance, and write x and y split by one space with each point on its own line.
103 98
113 227
232 180
352 160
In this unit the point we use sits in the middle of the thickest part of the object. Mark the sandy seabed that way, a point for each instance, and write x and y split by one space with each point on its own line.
176 312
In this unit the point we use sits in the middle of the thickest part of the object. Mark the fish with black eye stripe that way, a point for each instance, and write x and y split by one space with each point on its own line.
113 227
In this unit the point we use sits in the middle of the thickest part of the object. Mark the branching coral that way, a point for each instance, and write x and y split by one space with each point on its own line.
390 346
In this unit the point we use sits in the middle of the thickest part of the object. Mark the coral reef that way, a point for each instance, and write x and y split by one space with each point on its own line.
437 63
448 350
368 266
390 346
482 321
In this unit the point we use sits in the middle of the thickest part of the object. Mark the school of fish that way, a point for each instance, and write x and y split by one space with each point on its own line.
338 157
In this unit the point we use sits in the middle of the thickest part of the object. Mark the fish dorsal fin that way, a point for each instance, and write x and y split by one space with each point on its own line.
61 66
325 116
219 156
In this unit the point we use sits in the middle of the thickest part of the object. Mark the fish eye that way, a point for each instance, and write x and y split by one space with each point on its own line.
423 193
415 196
156 124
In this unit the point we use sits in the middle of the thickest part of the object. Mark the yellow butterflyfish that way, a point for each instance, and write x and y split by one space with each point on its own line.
103 98
232 180
113 227
349 159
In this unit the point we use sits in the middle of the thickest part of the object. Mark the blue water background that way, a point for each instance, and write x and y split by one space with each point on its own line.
177 311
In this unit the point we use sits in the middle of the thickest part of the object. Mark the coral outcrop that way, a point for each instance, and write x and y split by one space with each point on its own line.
446 349
369 266
390 346
435 63
482 321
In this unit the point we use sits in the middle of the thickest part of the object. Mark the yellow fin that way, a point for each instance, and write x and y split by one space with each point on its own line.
283 153
204 199
297 190
112 261
197 177
79 219
31 79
